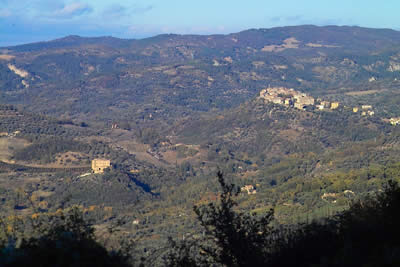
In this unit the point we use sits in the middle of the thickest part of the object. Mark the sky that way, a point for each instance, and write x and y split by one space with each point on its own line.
26 21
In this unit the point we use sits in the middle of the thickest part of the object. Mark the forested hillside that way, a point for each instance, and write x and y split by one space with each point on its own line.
171 76
171 111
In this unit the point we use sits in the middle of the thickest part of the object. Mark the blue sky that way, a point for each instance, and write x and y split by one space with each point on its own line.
24 21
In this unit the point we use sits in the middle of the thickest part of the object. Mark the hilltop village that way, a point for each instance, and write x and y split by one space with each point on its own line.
293 98
299 100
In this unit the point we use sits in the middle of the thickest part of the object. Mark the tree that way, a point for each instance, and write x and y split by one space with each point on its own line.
65 239
230 238
367 234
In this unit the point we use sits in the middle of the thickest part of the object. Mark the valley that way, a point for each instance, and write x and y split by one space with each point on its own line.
304 119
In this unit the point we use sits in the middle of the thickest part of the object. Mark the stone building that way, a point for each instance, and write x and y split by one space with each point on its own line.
98 165
307 100
326 104
394 121
277 100
250 189
299 105
366 107
334 105
288 102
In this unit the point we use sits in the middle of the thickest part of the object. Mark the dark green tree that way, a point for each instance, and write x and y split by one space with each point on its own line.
60 240
230 238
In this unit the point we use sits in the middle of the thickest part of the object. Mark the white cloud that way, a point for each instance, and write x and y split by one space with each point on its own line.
72 10
119 12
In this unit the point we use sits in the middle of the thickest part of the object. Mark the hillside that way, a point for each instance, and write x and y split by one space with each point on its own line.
171 76
171 110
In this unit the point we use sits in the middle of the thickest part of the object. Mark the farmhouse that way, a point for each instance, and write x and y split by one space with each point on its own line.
250 189
99 165
366 107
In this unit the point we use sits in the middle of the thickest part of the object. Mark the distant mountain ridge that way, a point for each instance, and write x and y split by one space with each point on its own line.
171 76
307 32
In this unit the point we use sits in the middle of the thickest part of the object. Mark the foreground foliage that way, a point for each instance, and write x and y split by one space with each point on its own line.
365 235
63 239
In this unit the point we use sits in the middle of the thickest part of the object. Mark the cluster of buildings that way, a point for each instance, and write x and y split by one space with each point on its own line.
293 98
7 134
327 105
394 121
365 110
299 100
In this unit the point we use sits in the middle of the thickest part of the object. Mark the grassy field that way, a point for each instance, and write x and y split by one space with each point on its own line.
10 144
361 93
